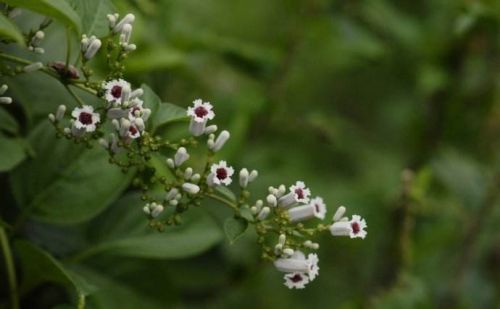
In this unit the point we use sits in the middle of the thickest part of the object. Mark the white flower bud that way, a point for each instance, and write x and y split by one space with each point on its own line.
254 210
288 252
253 175
35 66
210 180
211 129
52 118
125 95
145 114
287 200
170 163
271 200
190 188
128 19
3 89
181 156
5 100
112 19
104 143
220 141
171 194
173 202
136 93
282 239
61 110
264 213
244 178
139 123
39 35
126 33
339 214
259 204
188 173
130 47
196 178
67 131
115 124
281 191
156 211
146 210
92 49
124 126
39 50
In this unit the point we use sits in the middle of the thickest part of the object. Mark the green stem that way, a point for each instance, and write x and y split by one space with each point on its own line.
10 269
222 200
68 47
75 96
48 72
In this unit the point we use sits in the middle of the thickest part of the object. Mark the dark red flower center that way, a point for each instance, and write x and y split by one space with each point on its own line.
300 193
355 227
316 206
132 130
297 278
116 91
135 109
221 173
85 118
200 112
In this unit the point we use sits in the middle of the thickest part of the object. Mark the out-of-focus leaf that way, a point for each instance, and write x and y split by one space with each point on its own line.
8 30
113 294
461 176
58 9
131 236
161 113
65 183
11 153
39 266
409 293
227 193
234 228
7 122
93 15
156 58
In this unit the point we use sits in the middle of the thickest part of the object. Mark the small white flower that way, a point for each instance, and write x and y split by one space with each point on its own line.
85 118
354 228
295 263
133 132
319 207
301 192
296 280
313 260
201 111
221 173
113 90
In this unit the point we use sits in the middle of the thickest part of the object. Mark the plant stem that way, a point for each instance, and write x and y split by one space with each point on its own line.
222 200
75 96
48 72
68 47
10 269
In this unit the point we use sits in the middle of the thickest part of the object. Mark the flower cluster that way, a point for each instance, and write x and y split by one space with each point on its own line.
285 219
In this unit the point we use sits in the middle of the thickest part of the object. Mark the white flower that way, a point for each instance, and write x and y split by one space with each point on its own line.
221 173
113 90
296 280
319 207
85 118
201 111
133 132
312 259
354 228
301 192
298 194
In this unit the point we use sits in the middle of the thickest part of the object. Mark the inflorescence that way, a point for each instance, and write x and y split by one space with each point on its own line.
119 125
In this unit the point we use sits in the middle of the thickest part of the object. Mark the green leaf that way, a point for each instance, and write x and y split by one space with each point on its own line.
234 228
9 30
130 236
161 113
60 10
11 154
155 58
65 183
93 15
39 266
227 193
7 122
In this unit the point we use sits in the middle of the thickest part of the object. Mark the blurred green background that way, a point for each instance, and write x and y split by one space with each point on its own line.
391 108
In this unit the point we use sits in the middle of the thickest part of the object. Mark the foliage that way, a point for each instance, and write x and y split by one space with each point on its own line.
389 107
